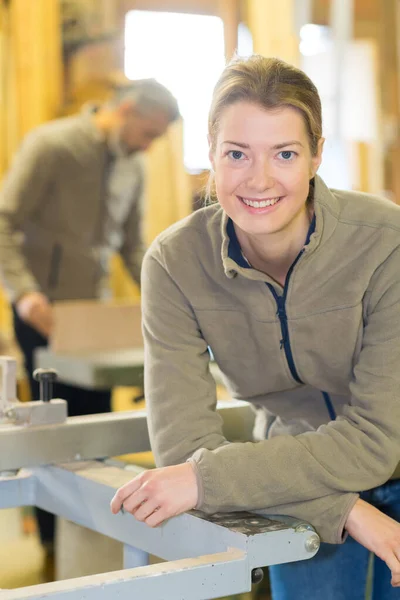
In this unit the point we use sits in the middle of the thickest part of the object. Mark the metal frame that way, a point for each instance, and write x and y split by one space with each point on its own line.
98 436
211 557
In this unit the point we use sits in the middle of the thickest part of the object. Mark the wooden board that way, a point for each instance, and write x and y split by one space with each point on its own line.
93 326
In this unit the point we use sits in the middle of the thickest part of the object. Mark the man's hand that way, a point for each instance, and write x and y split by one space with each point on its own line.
35 309
378 533
158 494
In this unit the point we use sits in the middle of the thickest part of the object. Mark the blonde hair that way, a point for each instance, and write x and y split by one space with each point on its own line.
270 83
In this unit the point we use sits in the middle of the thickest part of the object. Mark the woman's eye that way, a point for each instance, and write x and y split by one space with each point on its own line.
236 154
287 154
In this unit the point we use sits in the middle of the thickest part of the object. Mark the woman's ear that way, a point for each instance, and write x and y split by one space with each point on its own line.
317 159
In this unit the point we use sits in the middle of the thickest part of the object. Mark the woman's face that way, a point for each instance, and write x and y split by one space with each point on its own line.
263 165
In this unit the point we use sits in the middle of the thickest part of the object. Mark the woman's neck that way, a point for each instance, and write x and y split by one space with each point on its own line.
273 254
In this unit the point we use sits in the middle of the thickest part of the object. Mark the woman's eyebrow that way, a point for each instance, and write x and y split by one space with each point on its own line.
275 147
240 144
291 143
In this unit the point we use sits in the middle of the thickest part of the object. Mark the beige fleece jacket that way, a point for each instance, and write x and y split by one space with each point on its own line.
337 331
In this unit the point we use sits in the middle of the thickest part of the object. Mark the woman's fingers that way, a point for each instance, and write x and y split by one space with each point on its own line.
123 493
145 510
134 502
392 560
158 494
158 516
394 566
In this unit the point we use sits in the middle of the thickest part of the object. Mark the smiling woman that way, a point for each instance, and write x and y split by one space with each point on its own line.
262 187
274 279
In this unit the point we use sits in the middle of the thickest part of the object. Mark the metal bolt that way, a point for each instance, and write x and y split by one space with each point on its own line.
312 543
46 378
303 527
257 575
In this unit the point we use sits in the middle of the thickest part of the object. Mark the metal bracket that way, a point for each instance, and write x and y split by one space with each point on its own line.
37 413
26 413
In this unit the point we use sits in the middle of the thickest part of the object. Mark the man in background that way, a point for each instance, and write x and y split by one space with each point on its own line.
72 197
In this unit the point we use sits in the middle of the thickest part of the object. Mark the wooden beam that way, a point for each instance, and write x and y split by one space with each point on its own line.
389 92
273 27
364 10
228 10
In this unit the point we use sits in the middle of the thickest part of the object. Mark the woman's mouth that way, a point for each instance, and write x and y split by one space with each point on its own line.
262 203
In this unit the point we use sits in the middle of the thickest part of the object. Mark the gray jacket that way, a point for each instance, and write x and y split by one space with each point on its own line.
326 346
65 206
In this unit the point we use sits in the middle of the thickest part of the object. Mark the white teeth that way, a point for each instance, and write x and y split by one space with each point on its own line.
262 204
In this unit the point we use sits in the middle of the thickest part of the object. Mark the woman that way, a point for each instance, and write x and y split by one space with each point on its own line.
295 288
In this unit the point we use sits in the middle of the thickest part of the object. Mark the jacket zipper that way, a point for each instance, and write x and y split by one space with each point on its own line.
285 341
281 313
329 405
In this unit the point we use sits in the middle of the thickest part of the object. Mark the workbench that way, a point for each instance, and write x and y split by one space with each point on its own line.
65 466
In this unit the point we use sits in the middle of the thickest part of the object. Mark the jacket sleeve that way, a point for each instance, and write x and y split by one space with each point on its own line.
184 425
133 249
180 391
24 188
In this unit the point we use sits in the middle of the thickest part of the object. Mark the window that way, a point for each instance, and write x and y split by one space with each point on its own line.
348 97
184 52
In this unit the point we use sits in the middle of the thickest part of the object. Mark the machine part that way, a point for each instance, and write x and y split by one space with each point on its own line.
257 575
313 543
93 436
37 412
303 527
43 412
134 557
201 578
46 378
212 556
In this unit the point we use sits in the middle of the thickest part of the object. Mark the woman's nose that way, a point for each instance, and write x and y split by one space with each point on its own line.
261 177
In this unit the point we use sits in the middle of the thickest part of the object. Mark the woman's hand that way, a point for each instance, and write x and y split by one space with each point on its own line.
377 532
158 494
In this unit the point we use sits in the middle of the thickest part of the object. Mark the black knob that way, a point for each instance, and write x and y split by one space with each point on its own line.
45 377
257 575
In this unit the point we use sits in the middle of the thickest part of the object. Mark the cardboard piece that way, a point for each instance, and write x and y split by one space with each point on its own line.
94 326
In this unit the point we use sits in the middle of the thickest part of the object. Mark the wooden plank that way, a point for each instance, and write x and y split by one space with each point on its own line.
92 326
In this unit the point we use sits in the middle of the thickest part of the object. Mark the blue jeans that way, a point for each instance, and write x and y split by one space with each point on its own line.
340 572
